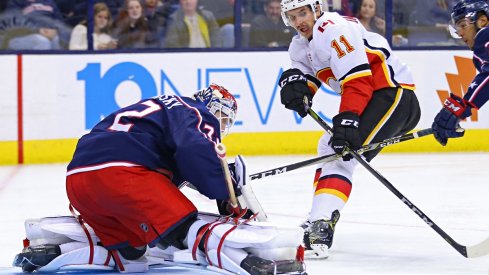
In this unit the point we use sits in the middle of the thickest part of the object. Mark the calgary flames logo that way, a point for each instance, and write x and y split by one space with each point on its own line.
459 83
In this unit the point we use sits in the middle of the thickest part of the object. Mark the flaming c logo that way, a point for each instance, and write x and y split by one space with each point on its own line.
459 83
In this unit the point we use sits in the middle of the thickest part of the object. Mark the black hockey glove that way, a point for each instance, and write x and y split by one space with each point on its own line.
446 124
345 133
294 87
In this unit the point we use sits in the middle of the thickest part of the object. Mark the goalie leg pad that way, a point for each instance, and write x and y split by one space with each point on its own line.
56 230
226 244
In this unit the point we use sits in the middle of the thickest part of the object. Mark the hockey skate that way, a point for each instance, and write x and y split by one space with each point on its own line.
318 237
33 257
258 266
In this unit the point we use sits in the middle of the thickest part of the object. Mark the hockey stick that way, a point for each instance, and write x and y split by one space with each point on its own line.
247 199
331 157
221 153
473 251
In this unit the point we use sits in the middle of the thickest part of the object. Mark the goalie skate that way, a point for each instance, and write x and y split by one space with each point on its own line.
258 266
33 257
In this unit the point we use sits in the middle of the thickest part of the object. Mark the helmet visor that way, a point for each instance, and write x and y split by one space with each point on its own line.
456 28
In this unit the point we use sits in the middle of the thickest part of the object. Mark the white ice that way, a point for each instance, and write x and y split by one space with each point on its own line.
376 234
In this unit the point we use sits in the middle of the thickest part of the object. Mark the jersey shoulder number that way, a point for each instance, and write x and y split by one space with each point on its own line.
150 108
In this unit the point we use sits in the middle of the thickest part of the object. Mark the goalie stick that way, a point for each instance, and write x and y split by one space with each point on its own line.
473 251
221 153
247 199
331 157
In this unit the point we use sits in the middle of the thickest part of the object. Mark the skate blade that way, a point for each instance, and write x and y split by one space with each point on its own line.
318 252
291 267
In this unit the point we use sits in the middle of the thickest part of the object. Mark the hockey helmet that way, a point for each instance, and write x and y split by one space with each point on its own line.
287 5
466 12
221 103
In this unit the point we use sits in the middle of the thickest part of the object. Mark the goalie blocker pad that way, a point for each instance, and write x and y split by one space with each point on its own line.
247 199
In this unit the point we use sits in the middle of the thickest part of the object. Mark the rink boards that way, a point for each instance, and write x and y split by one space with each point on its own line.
48 101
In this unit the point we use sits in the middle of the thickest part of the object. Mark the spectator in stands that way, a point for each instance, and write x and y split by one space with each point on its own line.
432 13
223 10
131 27
67 10
342 7
368 18
49 31
401 11
158 14
268 30
36 8
192 28
101 29
3 6
428 23
81 9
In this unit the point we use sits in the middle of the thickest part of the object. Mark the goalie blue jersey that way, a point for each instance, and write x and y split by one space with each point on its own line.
478 92
169 134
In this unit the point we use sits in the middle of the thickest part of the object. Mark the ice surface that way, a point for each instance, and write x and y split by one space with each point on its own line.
377 233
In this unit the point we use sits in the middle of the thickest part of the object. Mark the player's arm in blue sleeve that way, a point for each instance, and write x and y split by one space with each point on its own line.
478 93
195 133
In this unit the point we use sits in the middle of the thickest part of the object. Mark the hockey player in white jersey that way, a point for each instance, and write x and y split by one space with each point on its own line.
377 101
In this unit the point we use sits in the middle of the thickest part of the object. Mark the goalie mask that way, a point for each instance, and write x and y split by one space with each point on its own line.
465 13
221 104
287 5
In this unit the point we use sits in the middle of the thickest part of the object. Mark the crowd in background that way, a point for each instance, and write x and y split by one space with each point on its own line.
156 24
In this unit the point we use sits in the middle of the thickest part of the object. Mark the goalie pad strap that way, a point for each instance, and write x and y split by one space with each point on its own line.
221 242
107 259
82 224
199 236
206 240
117 260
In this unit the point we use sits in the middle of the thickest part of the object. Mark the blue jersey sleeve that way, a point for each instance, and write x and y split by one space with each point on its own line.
195 133
478 93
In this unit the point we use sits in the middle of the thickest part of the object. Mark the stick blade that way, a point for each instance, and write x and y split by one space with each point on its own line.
478 250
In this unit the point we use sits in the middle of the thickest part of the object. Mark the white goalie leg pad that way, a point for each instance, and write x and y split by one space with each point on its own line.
159 254
78 259
56 230
260 239
248 198
231 259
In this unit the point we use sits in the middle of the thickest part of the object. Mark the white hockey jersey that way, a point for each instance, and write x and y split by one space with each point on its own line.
351 60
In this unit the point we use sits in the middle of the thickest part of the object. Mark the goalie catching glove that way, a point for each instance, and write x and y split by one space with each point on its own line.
244 193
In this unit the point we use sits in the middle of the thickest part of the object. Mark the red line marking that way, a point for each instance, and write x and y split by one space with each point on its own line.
20 118
9 178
